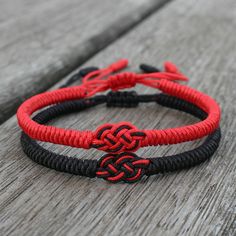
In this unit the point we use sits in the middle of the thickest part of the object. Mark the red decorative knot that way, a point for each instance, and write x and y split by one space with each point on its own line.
125 166
115 138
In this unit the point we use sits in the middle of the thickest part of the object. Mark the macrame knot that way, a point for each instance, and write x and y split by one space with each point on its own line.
115 138
122 81
125 167
122 99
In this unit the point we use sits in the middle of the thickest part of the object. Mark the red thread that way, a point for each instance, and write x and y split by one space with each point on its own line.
95 82
100 81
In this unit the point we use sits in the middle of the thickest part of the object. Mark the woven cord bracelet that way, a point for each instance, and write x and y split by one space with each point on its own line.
125 166
123 136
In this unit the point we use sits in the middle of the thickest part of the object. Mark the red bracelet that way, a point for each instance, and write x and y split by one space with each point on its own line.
123 136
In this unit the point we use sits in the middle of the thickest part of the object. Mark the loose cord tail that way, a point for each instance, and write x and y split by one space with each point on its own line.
104 79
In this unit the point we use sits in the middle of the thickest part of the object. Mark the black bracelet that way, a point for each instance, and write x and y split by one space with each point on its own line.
125 166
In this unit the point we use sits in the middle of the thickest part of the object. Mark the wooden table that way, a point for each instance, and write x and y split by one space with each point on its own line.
43 43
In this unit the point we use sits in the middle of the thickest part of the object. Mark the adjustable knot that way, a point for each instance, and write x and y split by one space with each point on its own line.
103 79
125 166
115 138
122 99
122 81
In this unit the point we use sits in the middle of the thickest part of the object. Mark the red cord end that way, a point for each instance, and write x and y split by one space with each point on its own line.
119 65
172 68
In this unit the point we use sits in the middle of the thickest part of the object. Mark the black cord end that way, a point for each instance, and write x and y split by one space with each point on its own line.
83 72
149 69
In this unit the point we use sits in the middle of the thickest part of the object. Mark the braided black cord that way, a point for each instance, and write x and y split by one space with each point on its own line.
89 167
186 159
58 162
122 99
190 158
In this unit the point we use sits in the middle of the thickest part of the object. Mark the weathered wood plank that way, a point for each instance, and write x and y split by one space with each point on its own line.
43 41
199 37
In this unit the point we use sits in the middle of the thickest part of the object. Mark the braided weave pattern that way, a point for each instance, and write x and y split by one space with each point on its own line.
126 166
187 159
122 99
58 162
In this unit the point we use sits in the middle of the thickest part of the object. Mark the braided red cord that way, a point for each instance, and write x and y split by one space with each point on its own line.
123 136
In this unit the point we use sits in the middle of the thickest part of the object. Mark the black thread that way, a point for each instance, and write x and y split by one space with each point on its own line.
122 99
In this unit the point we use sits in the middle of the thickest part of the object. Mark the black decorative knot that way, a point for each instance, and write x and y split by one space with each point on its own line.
125 167
115 138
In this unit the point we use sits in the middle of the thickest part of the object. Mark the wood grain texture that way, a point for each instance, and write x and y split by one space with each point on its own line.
199 37
42 41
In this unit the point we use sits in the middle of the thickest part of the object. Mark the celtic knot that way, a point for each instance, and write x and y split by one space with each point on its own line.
125 166
115 138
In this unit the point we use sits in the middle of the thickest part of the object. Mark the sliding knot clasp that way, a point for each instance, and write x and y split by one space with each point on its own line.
122 81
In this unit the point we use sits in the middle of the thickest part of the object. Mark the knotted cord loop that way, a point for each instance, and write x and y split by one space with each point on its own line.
102 80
